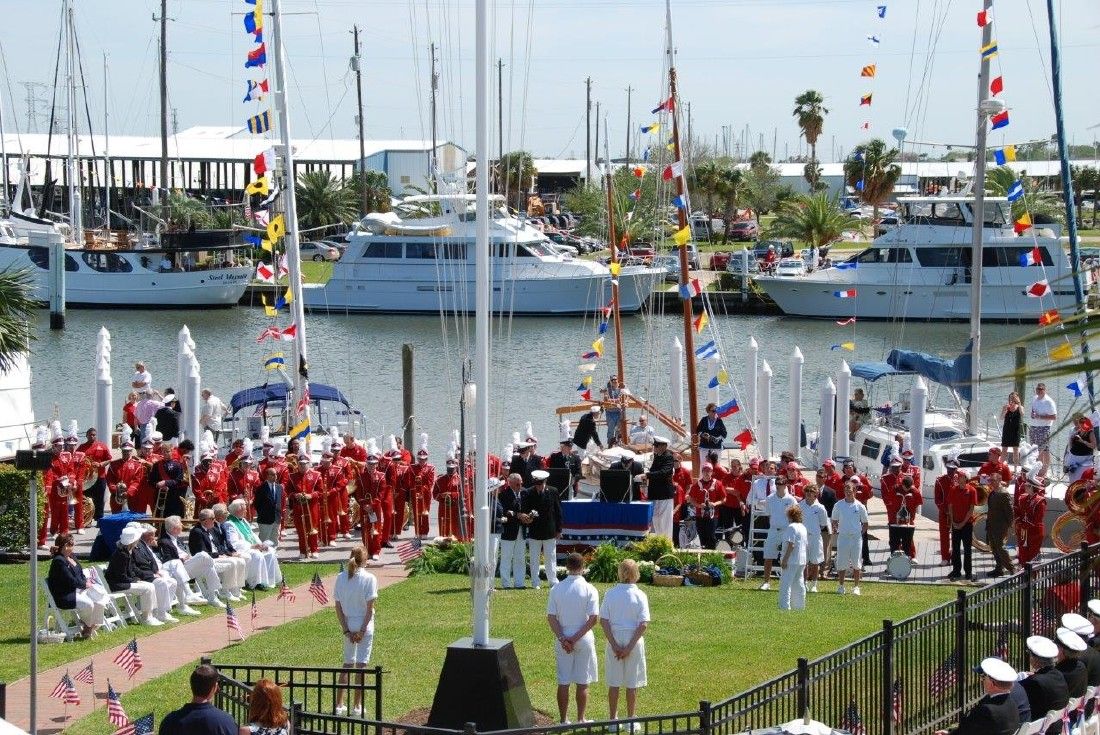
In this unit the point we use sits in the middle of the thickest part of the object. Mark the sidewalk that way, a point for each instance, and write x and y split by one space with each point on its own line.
165 652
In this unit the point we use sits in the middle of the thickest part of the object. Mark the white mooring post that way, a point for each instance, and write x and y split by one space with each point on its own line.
825 432
794 425
843 412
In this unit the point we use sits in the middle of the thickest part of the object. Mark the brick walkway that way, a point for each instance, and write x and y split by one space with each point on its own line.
164 652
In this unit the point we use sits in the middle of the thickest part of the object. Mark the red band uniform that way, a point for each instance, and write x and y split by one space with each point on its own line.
419 483
446 493
305 489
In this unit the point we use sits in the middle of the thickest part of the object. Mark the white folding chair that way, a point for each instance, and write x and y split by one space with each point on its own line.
122 603
65 621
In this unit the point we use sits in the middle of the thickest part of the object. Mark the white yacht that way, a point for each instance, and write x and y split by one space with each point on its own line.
921 269
426 265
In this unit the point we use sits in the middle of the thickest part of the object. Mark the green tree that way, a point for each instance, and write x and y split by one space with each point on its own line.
810 112
1043 206
816 220
378 190
182 212
704 181
324 200
872 170
589 203
514 175
760 162
762 189
17 309
731 193
1086 178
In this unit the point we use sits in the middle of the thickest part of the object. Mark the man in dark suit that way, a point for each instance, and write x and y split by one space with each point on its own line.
1046 687
513 543
1090 657
995 713
268 503
587 430
998 522
659 486
542 516
1070 647
628 463
206 536
566 459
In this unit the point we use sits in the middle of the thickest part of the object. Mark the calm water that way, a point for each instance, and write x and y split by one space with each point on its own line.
535 361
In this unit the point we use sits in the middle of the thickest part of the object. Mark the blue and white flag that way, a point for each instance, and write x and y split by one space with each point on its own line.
1077 388
707 350
1016 191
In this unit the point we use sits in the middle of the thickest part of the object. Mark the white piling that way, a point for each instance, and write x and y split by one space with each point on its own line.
825 432
794 425
752 378
191 406
764 406
918 405
676 378
104 403
55 245
184 353
843 412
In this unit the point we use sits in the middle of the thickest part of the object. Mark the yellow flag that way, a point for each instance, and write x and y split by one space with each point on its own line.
1063 351
586 381
288 296
267 245
258 14
615 268
270 311
597 346
850 346
276 228
259 186
701 322
681 237
723 377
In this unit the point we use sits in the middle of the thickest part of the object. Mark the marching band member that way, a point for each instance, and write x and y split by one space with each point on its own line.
369 486
170 485
889 487
304 492
98 456
1031 509
942 490
78 468
406 455
343 464
211 481
909 467
386 492
707 495
446 493
243 481
236 451
961 503
419 481
395 478
126 477
336 486
910 501
996 466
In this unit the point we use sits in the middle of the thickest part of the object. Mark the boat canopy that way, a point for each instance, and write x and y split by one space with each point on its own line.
955 374
277 393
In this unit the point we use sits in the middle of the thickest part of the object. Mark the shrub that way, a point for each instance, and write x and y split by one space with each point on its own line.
603 564
13 507
651 548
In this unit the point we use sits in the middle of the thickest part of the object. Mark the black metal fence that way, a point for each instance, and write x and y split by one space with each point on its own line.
911 677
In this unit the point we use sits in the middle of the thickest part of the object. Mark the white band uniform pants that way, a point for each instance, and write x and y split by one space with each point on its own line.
201 566
231 570
662 518
549 549
512 572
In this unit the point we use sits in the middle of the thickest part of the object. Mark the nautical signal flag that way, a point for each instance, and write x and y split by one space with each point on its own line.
691 288
274 361
859 185
587 394
865 100
1039 289
1062 352
264 272
666 105
701 322
865 125
1004 155
868 71
597 346
997 86
651 128
989 50
722 378
728 409
300 430
708 350
679 202
638 171
985 17
269 311
590 355
259 186
1016 191
1051 316
615 268
1033 256
848 294
588 367
874 40
881 11
675 169
849 346
1076 388
251 25
744 439
259 123
1022 225
846 322
257 56
276 228
635 195
253 240
681 236
1000 120
256 90
264 162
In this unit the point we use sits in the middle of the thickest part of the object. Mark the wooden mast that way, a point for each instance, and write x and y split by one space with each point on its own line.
613 240
682 218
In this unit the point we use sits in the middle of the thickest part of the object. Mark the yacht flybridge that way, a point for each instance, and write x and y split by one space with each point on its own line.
425 264
921 269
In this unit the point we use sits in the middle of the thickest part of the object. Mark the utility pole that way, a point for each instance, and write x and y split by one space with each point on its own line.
163 182
588 131
597 144
431 159
628 130
500 110
355 63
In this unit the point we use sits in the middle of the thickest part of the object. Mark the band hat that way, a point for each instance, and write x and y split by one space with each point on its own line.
828 463
627 454
58 440
907 454
127 445
1094 608
1042 647
660 440
247 458
1079 624
130 535
1068 639
156 436
326 453
895 461
998 670
526 444
168 397
452 462
793 465
147 443
422 453
566 441
540 475
372 459
951 464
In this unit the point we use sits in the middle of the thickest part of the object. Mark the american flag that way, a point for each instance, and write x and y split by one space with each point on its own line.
895 700
852 722
115 714
231 621
129 658
86 675
285 593
1042 619
409 550
140 726
317 589
945 676
247 208
255 611
303 402
66 691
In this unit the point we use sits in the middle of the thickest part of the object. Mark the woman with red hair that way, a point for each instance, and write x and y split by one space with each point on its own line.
266 715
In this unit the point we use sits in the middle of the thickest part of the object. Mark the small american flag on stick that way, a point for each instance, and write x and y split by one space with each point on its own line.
409 550
255 611
231 621
115 714
895 699
66 691
285 593
87 674
317 589
129 658
852 722
140 726
945 676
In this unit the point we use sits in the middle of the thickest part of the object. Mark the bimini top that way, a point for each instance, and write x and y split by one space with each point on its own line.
872 371
277 393
955 374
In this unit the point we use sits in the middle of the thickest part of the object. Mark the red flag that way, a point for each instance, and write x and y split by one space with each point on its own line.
997 86
744 439
259 164
587 395
288 334
983 18
269 333
1038 289
1049 317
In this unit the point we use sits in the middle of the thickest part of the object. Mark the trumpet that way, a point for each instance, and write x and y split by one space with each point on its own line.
119 494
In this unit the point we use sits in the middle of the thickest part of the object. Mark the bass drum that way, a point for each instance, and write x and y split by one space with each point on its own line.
1068 532
899 565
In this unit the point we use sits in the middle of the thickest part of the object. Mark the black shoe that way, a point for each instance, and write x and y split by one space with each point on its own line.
954 576
995 573
387 545
970 578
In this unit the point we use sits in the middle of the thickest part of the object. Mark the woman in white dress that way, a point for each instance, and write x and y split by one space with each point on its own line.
792 585
624 617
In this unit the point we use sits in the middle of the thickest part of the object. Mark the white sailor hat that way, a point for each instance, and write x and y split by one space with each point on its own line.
998 670
127 446
1079 624
895 461
525 444
147 443
540 475
660 440
1042 647
156 436
594 408
1068 639
168 397
130 535
627 454
1094 608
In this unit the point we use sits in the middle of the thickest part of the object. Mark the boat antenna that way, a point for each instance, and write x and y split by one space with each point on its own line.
682 218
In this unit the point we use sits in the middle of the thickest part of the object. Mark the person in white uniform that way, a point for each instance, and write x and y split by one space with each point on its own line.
792 585
572 612
849 525
355 594
207 537
166 576
262 570
816 520
776 506
122 576
185 566
624 617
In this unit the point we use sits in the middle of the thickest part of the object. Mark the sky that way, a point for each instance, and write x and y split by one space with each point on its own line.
740 64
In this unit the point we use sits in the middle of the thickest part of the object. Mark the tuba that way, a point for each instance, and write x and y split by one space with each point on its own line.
1077 496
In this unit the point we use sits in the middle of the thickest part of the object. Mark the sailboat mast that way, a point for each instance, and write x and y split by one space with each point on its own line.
164 96
681 214
4 159
108 179
613 239
76 214
290 206
974 411
1067 189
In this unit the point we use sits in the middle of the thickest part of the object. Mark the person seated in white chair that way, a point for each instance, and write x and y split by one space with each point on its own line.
174 554
71 589
263 564
166 585
123 575
206 537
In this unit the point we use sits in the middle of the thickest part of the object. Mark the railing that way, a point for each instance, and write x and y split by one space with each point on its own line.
911 677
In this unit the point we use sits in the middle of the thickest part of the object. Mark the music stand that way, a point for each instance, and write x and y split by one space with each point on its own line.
560 479
615 486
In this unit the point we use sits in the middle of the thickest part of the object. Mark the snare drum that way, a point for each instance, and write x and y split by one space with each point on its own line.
899 565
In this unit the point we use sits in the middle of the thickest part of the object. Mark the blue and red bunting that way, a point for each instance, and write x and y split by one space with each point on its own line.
728 409
257 56
1031 257
590 355
250 26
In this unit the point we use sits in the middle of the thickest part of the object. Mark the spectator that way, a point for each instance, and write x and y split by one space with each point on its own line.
1080 449
129 415
199 716
122 575
173 548
212 413
71 590
613 395
572 612
1043 414
995 713
849 524
355 593
792 586
860 412
624 617
1012 419
1046 687
642 434
266 715
142 382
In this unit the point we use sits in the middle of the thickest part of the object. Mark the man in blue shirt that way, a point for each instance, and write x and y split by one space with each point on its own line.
200 717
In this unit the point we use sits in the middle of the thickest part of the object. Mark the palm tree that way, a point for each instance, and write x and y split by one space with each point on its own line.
1043 206
514 175
705 180
1087 177
810 112
17 308
731 192
816 220
378 193
325 200
872 171
760 162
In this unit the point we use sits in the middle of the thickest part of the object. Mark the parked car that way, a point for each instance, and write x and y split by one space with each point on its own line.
319 251
720 260
735 265
745 231
671 264
783 248
790 267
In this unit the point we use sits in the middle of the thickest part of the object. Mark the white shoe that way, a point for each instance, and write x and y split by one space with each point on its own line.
188 610
357 712
766 586
80 532
215 602
303 557
169 618
194 599
374 558
44 547
150 620
566 722
855 591
235 596
313 555
813 588
840 590
341 711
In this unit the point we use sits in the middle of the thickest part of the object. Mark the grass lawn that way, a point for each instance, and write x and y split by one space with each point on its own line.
312 272
703 643
15 612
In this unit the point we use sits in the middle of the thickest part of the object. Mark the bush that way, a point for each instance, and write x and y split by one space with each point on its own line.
445 557
13 507
603 564
651 548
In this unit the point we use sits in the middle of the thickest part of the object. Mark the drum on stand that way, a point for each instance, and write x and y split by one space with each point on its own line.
899 565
